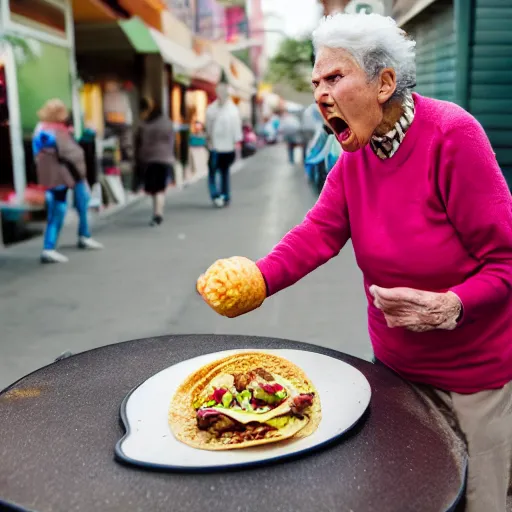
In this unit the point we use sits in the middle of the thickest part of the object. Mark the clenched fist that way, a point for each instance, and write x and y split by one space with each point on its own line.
232 286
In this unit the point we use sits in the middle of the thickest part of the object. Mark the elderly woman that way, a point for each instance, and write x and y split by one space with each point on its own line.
420 194
60 165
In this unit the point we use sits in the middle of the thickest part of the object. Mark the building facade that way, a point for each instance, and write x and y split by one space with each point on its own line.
47 71
184 10
331 6
464 55
210 20
256 19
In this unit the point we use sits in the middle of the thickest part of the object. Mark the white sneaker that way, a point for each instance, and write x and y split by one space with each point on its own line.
50 256
89 243
218 202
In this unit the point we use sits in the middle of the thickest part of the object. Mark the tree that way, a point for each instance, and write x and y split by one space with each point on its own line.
292 64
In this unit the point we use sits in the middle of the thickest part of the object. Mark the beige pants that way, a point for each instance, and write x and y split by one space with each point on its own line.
484 421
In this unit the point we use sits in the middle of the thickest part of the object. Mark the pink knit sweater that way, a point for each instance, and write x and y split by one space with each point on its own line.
436 216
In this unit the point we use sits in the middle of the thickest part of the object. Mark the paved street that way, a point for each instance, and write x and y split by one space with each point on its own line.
143 283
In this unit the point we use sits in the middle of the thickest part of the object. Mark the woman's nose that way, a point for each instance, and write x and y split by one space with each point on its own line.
319 93
324 101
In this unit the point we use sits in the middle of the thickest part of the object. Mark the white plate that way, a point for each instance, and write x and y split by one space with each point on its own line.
344 393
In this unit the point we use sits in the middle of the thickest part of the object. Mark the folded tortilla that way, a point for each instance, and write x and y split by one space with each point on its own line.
245 427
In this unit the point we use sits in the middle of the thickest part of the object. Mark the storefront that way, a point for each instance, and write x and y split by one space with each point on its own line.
184 98
244 89
240 77
6 170
46 69
143 61
197 102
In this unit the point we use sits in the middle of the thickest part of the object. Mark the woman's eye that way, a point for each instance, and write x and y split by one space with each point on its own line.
333 78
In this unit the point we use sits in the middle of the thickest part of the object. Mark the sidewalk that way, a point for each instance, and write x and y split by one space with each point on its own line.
99 218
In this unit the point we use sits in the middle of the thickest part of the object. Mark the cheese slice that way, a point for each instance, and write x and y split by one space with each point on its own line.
245 417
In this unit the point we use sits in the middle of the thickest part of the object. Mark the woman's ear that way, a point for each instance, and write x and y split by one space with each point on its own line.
387 84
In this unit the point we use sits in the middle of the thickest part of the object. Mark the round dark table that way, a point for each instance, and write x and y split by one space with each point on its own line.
59 426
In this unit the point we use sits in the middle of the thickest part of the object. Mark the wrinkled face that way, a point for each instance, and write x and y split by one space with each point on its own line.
351 104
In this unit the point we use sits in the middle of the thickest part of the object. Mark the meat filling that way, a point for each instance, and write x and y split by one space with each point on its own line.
222 426
252 432
261 372
241 381
206 420
302 402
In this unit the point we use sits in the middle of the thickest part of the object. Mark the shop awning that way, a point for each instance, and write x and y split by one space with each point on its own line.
240 77
150 11
405 10
86 11
139 35
185 60
145 39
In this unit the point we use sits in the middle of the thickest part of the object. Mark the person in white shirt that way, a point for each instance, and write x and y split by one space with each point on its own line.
224 132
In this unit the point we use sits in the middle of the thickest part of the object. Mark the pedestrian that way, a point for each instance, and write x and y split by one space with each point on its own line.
60 165
290 131
250 140
311 122
269 131
420 193
155 155
119 117
224 132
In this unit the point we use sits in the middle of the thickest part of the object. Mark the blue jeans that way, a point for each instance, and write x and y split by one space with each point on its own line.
291 152
219 164
56 206
82 198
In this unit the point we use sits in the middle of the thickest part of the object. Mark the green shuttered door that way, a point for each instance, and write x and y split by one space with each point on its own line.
41 78
491 76
434 33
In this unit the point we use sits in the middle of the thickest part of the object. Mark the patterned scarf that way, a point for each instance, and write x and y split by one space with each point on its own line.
386 146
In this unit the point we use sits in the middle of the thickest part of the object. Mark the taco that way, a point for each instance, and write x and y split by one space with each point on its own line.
244 400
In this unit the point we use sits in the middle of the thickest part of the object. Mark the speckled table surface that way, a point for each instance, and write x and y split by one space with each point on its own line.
59 426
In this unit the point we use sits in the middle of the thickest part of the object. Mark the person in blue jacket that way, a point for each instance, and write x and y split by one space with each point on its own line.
60 165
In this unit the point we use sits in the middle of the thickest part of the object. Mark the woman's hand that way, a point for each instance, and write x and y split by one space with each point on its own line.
233 286
417 310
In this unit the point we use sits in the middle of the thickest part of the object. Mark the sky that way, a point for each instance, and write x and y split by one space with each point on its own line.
299 16
295 18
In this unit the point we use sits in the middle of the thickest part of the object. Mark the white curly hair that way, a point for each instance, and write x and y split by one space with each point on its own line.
375 41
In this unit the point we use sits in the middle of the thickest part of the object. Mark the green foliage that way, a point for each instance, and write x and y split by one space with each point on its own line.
292 64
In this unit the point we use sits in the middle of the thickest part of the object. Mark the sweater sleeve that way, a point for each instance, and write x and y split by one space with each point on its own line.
479 205
321 236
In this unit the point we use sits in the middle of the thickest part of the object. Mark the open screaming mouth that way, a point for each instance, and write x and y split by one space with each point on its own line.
340 127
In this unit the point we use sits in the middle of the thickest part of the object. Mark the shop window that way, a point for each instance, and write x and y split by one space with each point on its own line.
6 176
39 14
